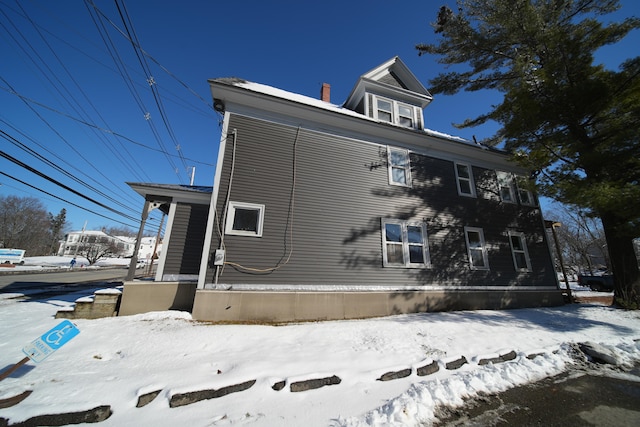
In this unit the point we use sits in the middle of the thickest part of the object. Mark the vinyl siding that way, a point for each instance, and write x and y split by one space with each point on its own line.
333 218
393 80
187 239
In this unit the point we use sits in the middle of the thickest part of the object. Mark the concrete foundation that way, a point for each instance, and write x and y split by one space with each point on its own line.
294 306
145 296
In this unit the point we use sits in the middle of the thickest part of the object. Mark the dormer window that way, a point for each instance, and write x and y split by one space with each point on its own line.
397 113
405 115
385 110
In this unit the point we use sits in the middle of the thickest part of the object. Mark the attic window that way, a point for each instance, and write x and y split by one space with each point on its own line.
385 110
395 112
405 116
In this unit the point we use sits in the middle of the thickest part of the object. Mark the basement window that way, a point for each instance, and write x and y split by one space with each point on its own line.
244 219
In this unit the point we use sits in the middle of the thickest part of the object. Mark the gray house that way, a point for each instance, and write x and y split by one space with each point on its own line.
320 211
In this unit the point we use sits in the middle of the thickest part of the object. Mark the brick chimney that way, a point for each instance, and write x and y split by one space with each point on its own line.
325 92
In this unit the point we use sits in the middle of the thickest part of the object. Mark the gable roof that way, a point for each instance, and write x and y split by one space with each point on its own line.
393 79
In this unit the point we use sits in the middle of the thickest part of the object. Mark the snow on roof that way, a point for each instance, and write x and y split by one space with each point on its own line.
89 232
307 100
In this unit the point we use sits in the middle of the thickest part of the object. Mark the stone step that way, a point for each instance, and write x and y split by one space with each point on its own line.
103 303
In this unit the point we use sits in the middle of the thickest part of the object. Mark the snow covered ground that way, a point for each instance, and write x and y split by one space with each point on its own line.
113 361
42 263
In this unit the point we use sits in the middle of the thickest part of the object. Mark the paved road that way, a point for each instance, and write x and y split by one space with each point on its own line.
571 399
78 277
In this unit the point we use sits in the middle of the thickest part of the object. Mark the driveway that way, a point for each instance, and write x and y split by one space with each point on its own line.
595 397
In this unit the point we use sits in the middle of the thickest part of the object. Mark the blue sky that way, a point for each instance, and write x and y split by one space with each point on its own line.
72 113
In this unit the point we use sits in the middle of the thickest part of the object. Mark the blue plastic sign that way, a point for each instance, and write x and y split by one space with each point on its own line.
50 341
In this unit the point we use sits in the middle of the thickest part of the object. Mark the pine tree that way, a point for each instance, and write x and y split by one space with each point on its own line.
56 227
573 123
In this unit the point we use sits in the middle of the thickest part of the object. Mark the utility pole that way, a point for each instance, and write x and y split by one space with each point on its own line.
155 247
193 175
148 207
553 225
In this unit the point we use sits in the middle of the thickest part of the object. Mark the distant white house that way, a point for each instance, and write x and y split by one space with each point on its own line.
147 247
75 241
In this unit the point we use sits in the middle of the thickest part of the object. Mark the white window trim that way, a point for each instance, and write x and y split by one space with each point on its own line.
483 248
407 168
511 185
529 194
376 109
416 117
405 244
472 185
231 212
399 116
524 250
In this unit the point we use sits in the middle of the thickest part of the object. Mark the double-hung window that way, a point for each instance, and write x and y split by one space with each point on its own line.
506 187
404 244
384 109
464 177
526 196
244 219
519 251
399 167
476 248
405 116
395 112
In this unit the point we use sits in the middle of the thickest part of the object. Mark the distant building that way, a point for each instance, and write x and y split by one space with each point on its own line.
147 247
77 241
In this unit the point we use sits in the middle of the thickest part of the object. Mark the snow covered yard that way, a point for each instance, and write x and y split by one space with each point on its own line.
114 361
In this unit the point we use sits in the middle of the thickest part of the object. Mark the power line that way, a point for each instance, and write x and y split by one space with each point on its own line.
58 183
117 61
36 46
104 34
192 91
148 227
52 84
93 125
116 153
48 162
66 201
135 43
63 139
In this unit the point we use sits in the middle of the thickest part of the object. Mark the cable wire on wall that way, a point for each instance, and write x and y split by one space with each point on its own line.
288 227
